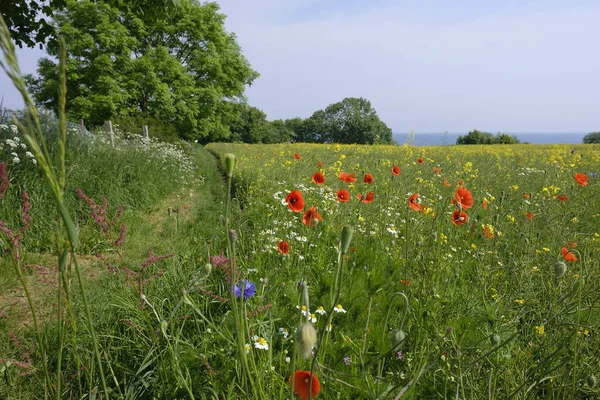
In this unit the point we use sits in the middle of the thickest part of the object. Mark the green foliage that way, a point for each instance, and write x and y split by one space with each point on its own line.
251 126
352 120
592 137
183 69
480 137
29 22
123 175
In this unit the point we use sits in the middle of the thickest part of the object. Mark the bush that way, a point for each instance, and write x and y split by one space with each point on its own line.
592 137
480 137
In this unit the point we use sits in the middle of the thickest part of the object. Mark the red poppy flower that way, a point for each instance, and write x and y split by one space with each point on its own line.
530 215
346 177
297 156
366 198
526 195
463 198
412 202
461 182
420 160
487 232
309 217
302 384
484 204
459 217
436 170
284 247
562 198
319 164
567 255
343 196
572 245
581 179
396 170
295 201
318 178
368 179
446 183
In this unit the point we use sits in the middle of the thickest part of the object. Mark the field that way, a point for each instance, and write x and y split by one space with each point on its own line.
426 272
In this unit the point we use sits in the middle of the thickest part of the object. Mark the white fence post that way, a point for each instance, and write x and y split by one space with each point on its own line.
81 127
146 136
108 131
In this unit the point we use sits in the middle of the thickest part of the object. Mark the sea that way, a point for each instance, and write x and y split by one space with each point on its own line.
449 138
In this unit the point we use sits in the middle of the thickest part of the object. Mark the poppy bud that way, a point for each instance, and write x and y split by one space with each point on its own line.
207 268
592 381
229 164
233 236
560 268
346 238
307 337
398 336
495 340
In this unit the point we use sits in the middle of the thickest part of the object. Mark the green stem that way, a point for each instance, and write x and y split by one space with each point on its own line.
88 315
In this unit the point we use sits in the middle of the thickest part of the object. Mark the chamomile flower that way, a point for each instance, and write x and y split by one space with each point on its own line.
260 343
339 309
321 311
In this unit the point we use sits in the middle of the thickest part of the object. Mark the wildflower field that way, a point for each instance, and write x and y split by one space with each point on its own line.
305 271
472 272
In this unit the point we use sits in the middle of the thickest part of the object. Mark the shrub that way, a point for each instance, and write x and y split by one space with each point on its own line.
592 137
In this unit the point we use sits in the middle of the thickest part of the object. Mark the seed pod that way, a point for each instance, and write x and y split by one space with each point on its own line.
495 340
560 268
398 335
207 268
307 337
346 238
229 164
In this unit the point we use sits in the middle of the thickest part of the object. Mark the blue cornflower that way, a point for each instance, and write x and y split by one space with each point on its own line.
249 289
347 360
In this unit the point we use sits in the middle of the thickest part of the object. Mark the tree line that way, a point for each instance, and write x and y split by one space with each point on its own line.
169 64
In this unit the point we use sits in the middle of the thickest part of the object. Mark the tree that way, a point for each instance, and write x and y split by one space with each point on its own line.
476 137
503 138
352 120
182 68
30 22
592 137
480 137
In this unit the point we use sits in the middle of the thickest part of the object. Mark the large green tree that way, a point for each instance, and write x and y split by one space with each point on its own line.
30 21
181 67
352 120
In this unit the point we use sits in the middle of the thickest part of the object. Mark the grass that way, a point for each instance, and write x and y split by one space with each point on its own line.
212 283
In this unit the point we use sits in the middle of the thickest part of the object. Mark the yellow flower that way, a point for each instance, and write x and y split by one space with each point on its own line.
519 301
473 246
540 329
515 187
510 218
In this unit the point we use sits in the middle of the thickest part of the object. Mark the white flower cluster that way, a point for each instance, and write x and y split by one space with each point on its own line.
165 154
15 148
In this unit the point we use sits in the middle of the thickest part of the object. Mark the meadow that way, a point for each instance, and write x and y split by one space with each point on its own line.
136 269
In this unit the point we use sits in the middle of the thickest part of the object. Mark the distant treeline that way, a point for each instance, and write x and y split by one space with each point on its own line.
480 137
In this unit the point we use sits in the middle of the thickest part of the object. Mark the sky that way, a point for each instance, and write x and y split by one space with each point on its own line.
425 65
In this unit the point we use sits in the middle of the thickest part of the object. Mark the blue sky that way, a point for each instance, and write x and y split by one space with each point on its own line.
429 66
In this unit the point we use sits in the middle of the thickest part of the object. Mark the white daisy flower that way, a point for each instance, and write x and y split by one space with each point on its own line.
339 309
261 344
